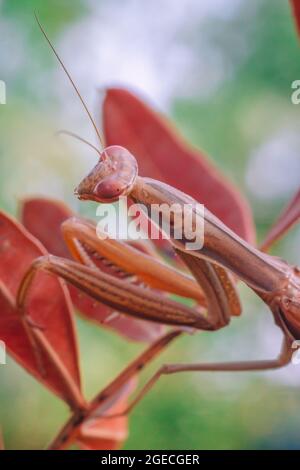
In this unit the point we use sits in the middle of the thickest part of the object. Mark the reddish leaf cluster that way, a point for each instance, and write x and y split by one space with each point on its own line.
49 307
41 336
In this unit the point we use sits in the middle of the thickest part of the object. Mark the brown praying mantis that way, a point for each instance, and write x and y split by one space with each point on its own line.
223 257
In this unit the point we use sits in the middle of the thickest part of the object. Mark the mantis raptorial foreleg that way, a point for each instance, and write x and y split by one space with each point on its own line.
125 297
220 294
119 294
148 269
222 299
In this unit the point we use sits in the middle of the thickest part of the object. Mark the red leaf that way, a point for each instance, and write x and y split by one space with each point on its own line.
295 4
47 304
43 218
161 154
288 218
100 433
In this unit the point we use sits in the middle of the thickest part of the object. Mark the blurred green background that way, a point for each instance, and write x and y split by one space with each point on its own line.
222 70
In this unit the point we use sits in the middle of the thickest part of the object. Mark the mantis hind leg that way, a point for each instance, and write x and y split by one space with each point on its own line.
240 366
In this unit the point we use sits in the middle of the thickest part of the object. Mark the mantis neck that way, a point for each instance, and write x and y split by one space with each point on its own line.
221 245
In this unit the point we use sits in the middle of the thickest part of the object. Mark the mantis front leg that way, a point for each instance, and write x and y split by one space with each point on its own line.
81 237
117 293
220 296
131 299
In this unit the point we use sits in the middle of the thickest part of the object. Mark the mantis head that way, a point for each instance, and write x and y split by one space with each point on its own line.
113 176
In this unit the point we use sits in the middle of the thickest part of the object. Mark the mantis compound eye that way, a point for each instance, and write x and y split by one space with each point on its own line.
109 190
113 176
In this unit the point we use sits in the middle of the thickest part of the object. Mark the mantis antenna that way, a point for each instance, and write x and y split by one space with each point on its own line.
72 134
71 80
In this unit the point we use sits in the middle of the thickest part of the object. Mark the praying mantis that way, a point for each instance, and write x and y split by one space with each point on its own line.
215 268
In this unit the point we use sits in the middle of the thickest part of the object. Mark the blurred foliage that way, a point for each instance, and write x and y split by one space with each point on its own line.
187 411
